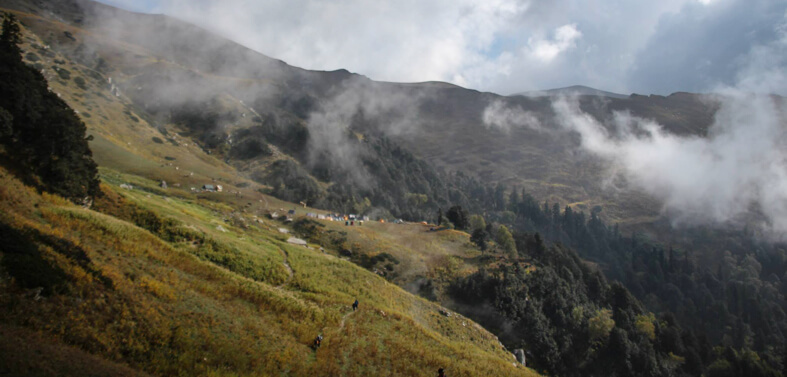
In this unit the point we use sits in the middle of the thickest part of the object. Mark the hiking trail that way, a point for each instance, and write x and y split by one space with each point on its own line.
344 318
288 267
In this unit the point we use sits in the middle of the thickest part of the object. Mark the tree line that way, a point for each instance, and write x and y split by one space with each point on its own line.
722 319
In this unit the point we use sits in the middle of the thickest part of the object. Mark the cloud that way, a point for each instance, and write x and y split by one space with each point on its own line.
702 46
404 41
505 46
547 50
488 45
359 100
504 117
741 165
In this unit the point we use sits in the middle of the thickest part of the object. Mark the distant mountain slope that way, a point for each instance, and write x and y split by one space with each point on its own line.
330 122
571 90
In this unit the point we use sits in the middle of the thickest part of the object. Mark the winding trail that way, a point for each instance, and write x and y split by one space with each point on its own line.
344 318
288 267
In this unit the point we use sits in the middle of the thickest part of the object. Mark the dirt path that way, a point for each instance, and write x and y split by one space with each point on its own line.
344 318
288 267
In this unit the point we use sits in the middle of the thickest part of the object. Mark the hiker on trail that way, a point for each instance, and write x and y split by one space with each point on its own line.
317 342
441 372
355 305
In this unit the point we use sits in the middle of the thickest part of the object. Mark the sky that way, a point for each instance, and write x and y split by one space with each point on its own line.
504 46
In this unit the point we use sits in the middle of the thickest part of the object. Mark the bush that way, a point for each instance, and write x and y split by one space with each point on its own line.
249 148
80 82
291 182
62 72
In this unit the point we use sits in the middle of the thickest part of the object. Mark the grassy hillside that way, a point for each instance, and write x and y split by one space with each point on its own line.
421 258
199 295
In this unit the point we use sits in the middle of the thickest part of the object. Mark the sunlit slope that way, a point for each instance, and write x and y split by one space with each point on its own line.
202 292
422 258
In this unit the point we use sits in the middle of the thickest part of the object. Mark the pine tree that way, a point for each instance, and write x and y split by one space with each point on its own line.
513 199
42 136
458 217
11 36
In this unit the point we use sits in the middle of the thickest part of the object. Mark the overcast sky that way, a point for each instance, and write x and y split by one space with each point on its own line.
504 46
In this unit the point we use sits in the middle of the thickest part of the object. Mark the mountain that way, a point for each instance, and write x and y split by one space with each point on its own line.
571 90
442 126
150 278
169 104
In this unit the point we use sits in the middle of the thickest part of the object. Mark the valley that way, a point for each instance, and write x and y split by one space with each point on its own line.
492 228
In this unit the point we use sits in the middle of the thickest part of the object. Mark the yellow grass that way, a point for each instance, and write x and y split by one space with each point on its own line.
162 308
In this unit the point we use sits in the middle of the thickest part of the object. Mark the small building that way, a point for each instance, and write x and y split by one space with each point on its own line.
219 188
209 188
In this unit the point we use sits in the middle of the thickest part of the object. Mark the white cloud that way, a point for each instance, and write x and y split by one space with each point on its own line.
504 46
403 41
740 165
547 50
503 117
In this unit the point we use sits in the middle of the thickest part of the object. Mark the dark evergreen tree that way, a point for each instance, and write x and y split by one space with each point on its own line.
458 217
11 36
480 237
44 139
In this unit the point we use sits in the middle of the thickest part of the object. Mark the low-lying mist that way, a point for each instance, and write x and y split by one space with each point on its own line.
740 165
738 169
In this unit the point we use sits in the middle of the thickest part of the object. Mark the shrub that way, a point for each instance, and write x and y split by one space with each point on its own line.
80 82
62 72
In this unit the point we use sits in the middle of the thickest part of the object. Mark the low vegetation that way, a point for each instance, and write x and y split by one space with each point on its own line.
142 289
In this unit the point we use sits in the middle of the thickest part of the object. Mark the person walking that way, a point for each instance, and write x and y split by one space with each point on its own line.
355 305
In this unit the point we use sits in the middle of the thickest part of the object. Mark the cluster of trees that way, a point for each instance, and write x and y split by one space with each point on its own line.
571 321
734 307
41 139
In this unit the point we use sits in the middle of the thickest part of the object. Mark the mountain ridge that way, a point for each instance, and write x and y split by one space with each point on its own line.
570 90
434 125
